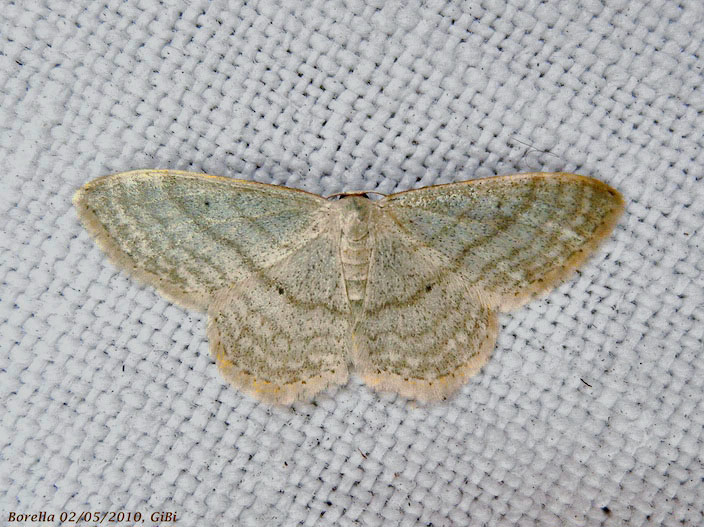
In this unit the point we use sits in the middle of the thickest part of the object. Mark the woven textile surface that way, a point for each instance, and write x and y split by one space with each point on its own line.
591 409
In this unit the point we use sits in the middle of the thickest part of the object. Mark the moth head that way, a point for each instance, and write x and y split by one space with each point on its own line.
355 211
368 194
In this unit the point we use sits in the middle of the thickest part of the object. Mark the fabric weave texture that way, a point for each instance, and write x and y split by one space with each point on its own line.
591 409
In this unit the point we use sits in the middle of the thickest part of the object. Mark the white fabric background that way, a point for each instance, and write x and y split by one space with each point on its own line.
591 410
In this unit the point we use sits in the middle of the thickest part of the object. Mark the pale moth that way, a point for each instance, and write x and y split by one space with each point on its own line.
300 289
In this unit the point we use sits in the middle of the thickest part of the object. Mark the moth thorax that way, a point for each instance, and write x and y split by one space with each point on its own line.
355 247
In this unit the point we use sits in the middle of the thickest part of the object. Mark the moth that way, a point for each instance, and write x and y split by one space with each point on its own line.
300 290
